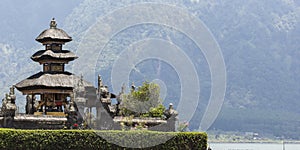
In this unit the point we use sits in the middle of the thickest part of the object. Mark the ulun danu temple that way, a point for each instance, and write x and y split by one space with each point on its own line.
57 99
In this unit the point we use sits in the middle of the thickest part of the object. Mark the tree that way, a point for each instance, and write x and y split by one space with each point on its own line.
143 102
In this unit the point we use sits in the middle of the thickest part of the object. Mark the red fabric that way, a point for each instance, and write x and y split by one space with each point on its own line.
58 103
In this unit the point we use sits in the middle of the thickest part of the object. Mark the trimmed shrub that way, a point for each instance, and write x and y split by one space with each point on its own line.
90 139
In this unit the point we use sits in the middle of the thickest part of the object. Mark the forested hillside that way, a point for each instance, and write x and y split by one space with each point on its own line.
259 41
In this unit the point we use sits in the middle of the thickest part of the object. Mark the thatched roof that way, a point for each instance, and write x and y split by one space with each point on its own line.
53 34
53 80
62 54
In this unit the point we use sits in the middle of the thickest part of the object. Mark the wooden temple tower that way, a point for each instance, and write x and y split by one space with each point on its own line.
50 92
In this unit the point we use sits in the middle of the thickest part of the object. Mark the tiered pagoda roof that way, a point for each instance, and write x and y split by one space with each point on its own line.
53 78
59 82
53 34
63 55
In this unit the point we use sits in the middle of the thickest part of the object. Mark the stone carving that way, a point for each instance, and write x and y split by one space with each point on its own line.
8 108
9 101
4 101
170 111
132 87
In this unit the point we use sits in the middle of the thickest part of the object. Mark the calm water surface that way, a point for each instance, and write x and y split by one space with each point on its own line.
252 146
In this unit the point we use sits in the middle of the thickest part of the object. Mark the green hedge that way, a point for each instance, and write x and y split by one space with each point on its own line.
90 139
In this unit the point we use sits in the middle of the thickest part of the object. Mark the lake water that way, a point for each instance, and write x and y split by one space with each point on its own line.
252 146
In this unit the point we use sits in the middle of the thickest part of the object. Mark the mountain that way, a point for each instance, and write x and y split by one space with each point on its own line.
258 40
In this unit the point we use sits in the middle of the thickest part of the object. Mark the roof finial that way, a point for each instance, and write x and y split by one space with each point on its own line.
53 23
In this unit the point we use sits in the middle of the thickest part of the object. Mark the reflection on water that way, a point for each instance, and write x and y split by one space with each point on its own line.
253 146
